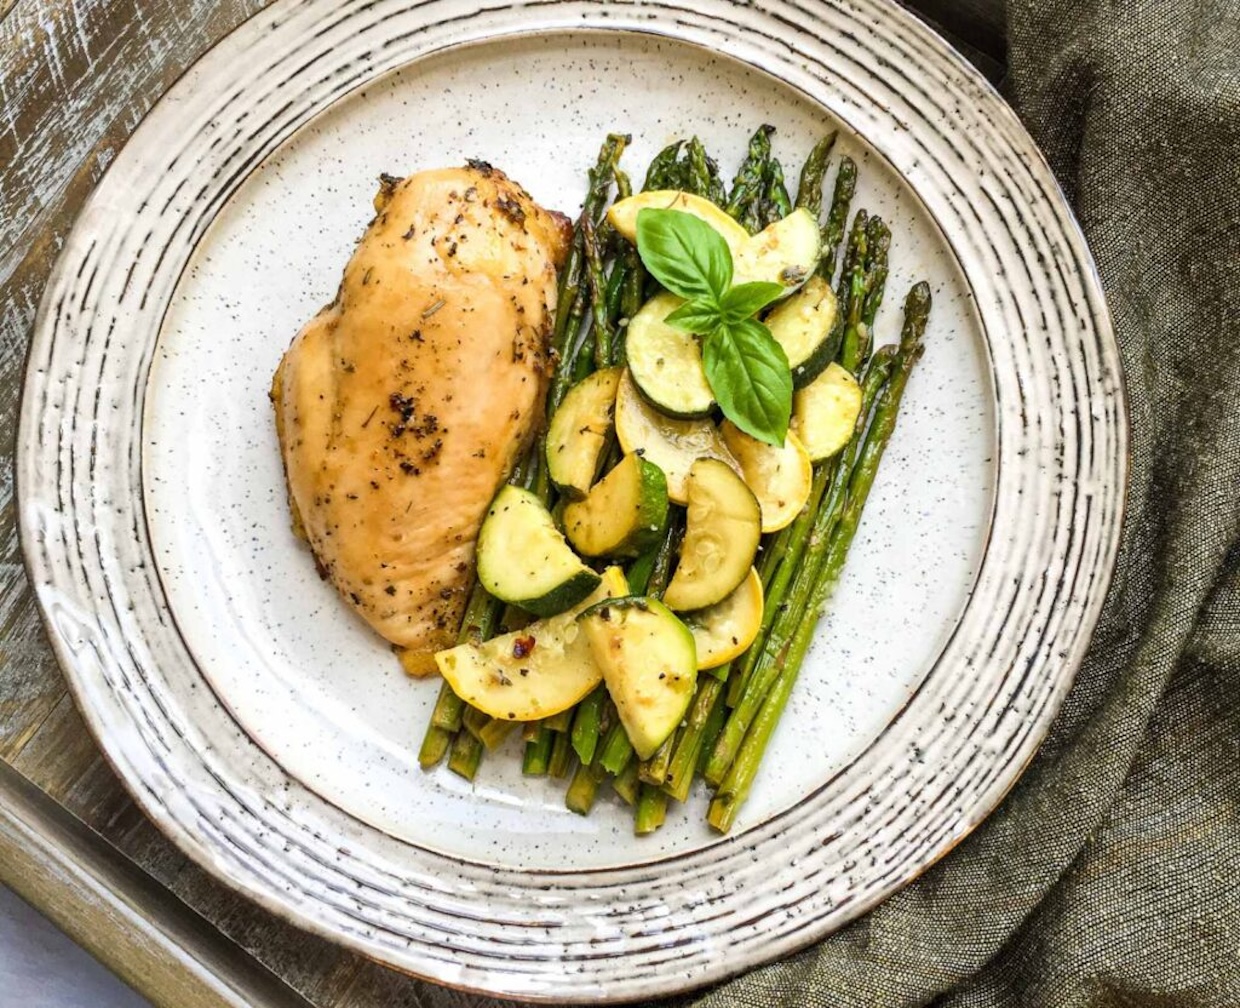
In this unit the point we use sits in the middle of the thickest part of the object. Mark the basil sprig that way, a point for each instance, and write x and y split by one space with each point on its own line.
747 370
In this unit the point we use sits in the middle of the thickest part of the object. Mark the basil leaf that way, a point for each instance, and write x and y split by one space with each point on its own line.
695 316
747 299
749 375
686 255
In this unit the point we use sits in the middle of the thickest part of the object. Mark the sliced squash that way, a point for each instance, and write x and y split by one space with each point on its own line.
623 514
784 252
673 445
802 325
825 412
523 558
666 362
723 525
623 214
649 663
780 477
578 432
534 672
725 630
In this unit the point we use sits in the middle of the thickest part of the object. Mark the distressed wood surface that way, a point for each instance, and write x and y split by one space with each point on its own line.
76 76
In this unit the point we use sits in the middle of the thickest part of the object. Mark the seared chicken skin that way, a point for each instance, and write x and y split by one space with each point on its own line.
403 406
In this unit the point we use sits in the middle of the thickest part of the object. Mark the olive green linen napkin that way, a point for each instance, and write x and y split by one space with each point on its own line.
1111 874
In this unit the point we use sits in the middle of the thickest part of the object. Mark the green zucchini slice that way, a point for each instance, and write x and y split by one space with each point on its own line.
802 326
784 252
825 412
725 630
523 559
578 432
623 514
780 477
533 672
649 664
673 445
722 529
666 362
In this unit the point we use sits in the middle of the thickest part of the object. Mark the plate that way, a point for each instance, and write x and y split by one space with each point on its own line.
273 738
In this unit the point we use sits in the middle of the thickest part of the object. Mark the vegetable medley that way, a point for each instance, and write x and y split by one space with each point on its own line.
649 580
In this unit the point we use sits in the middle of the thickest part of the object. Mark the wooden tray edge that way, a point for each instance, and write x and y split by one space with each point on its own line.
138 929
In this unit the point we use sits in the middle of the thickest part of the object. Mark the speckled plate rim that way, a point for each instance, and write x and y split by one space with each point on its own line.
640 930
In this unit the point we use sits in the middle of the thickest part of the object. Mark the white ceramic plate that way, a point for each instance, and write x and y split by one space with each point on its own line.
272 736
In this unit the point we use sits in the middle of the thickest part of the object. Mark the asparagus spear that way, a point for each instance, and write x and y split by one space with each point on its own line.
583 354
604 329
603 174
627 282
617 751
851 289
651 809
714 725
663 162
585 263
465 756
474 720
600 177
614 292
714 190
630 278
654 769
569 293
699 174
775 204
586 721
537 757
561 755
747 186
449 709
573 297
626 784
582 790
435 743
690 739
809 190
483 727
631 296
866 293
665 556
837 217
878 240
624 188
852 277
735 786
494 732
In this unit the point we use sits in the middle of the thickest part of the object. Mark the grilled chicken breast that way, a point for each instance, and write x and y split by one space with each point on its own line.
403 406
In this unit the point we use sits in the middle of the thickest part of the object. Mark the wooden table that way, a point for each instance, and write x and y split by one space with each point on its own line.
76 76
